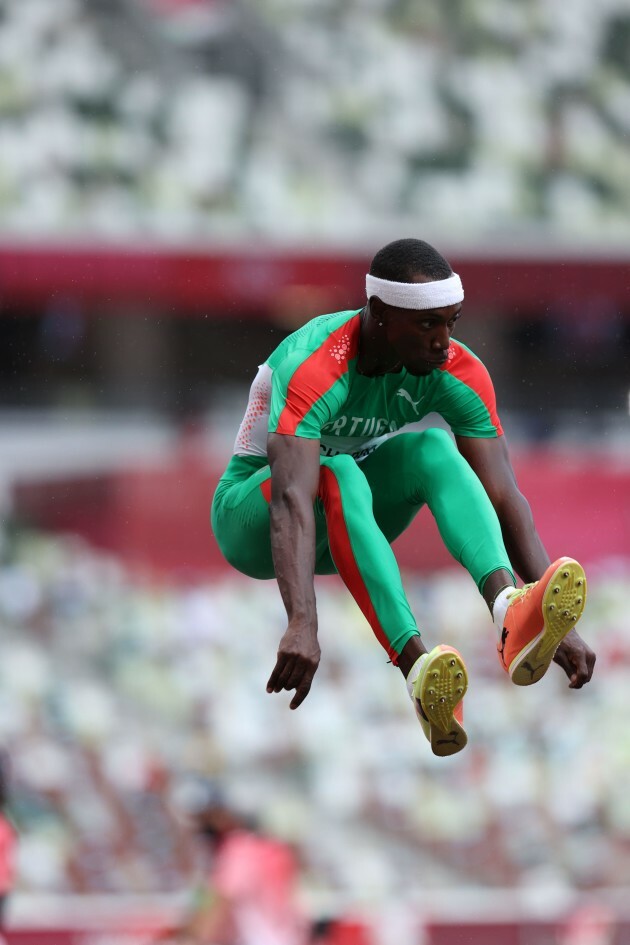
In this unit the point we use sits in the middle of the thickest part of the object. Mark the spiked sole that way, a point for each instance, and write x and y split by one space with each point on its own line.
562 606
439 688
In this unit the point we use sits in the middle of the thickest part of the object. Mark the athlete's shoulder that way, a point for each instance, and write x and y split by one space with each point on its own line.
336 334
463 363
465 380
459 353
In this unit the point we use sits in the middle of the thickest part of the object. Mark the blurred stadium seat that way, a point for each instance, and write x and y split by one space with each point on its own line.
111 684
322 128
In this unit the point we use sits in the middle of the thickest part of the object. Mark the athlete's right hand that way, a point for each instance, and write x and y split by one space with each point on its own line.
297 662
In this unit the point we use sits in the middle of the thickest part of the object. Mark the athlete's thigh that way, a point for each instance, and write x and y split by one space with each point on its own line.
389 471
350 482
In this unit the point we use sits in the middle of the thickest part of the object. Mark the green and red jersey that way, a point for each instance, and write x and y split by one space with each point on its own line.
310 387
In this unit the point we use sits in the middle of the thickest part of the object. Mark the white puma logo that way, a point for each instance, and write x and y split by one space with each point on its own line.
407 396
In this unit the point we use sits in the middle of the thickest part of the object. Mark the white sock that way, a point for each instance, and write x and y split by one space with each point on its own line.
414 672
500 606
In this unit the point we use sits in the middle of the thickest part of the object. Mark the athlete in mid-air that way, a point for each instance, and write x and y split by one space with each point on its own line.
321 482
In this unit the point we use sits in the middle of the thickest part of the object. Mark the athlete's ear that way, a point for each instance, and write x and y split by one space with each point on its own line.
377 309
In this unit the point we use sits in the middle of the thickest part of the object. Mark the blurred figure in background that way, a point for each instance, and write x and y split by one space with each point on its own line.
592 923
249 896
8 839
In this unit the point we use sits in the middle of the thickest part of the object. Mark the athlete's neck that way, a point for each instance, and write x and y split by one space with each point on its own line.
374 357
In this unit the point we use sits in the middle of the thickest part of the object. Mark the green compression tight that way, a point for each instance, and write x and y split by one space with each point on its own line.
359 511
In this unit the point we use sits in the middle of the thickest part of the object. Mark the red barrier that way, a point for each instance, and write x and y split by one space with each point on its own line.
260 281
349 933
115 934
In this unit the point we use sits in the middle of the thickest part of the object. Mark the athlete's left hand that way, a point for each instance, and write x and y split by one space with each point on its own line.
576 658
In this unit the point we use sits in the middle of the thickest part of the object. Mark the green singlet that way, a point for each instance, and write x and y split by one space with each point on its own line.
373 480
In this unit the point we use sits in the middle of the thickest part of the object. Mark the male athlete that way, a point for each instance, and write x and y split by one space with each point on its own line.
319 483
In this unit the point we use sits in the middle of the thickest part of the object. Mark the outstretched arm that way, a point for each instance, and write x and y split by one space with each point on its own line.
490 460
294 463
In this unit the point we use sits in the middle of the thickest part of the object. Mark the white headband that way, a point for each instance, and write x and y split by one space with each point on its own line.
417 295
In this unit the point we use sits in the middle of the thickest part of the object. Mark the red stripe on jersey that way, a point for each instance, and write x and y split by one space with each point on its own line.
317 374
343 555
265 488
469 369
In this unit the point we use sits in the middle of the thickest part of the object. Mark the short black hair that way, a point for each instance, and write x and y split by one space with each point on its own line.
403 259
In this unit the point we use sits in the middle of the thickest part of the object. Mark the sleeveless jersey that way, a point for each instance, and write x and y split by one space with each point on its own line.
310 387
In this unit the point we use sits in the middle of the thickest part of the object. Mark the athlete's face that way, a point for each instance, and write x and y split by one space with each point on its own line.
420 339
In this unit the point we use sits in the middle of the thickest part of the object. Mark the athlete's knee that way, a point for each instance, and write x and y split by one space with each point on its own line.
249 561
437 451
437 439
249 554
429 459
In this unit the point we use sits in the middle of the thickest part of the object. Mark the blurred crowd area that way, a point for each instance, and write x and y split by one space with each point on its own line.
314 120
116 690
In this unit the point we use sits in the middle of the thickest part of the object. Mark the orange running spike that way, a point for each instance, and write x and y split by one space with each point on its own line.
538 618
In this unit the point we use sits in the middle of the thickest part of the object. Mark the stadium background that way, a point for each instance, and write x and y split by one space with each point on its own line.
181 183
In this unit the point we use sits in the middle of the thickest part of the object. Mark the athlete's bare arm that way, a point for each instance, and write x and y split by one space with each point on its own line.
490 459
294 463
